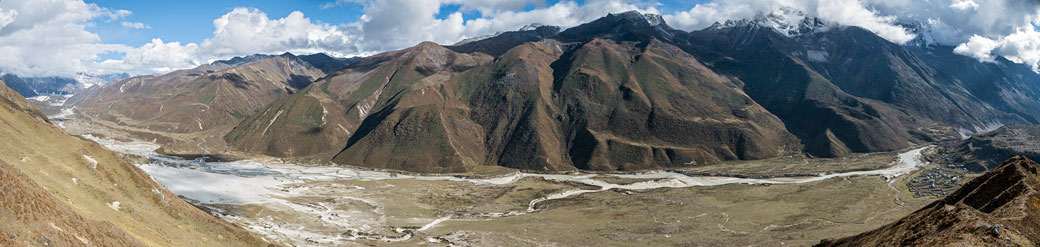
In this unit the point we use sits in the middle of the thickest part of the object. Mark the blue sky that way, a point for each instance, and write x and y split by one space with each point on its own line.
192 20
65 37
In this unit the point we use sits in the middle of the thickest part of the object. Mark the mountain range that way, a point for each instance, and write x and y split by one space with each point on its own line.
206 101
55 85
624 92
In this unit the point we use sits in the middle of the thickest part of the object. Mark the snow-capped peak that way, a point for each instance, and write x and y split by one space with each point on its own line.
786 21
923 31
531 27
653 19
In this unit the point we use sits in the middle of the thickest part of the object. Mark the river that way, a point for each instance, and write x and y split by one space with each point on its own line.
259 181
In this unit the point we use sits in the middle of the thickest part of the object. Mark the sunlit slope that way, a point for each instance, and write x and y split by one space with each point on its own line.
59 190
188 110
597 105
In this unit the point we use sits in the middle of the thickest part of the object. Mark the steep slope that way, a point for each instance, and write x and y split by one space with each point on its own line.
12 100
1006 86
621 104
59 190
844 89
189 110
1000 208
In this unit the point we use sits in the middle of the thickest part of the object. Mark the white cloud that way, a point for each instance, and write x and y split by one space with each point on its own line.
978 47
995 28
135 25
1023 46
154 57
394 24
843 12
48 37
7 17
62 46
337 3
386 25
247 31
951 25
964 5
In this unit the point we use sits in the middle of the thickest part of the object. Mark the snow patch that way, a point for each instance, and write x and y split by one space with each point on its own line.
817 56
135 147
434 223
93 162
344 129
209 187
272 122
967 133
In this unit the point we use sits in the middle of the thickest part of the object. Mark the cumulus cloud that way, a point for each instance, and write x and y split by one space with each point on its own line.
246 31
1022 46
843 12
385 25
135 25
337 3
398 23
996 28
48 37
964 5
154 57
61 45
978 47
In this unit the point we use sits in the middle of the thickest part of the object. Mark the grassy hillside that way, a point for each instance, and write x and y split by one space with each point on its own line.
187 111
59 190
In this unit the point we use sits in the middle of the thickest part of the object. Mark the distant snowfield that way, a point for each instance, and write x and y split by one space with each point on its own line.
265 182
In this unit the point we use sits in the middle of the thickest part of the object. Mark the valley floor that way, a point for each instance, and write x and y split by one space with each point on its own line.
796 203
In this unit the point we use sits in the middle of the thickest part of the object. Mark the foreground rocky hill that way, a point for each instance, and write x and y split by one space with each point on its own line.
999 208
59 190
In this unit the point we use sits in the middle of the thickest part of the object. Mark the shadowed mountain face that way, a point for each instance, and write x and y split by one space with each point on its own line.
844 89
14 101
19 85
1000 208
33 86
1003 85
